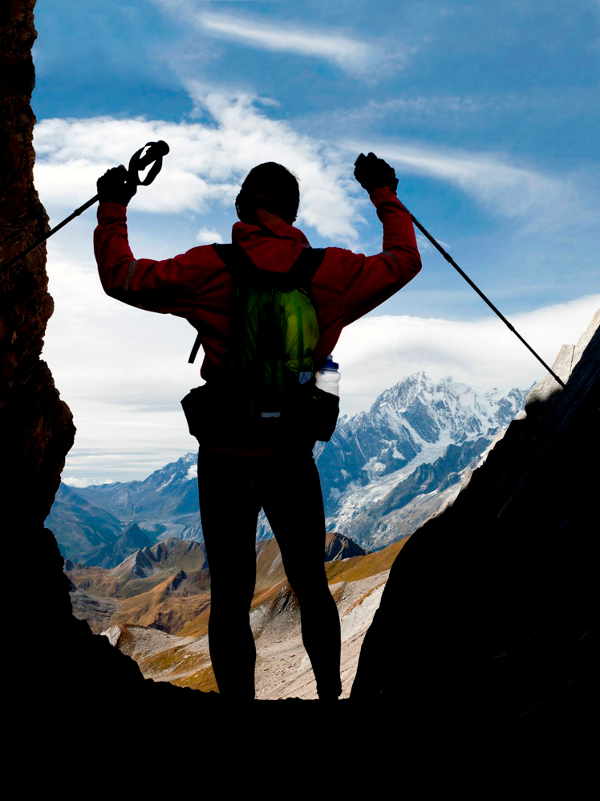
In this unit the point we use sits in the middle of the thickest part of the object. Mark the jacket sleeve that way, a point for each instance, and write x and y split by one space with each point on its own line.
362 283
171 286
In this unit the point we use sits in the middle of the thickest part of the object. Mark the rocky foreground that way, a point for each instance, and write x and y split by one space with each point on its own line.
154 607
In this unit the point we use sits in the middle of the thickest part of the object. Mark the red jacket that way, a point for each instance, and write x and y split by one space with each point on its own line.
196 285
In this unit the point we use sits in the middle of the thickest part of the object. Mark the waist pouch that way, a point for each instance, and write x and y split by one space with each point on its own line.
217 416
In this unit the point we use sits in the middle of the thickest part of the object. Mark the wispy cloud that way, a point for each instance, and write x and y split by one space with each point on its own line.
463 110
503 187
348 53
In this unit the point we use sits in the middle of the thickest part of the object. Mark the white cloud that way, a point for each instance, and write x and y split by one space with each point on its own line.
205 166
377 351
206 236
347 52
350 54
501 186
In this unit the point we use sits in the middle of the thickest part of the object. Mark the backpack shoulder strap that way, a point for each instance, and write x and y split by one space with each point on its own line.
195 348
305 266
234 257
244 269
225 254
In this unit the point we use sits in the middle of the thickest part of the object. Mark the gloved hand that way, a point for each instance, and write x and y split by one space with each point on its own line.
115 186
372 172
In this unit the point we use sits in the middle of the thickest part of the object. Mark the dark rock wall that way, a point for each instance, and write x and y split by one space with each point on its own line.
473 616
36 426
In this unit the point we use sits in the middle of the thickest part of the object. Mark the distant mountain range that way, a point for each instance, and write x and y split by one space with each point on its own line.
383 473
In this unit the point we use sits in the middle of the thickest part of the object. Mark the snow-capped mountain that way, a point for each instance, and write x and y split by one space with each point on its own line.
383 472
415 440
409 424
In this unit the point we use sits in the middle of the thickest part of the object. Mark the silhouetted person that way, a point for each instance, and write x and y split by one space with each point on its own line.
240 473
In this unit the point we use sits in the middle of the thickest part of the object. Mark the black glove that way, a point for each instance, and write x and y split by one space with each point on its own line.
115 186
372 172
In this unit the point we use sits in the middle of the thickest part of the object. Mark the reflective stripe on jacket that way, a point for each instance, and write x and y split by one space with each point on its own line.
196 284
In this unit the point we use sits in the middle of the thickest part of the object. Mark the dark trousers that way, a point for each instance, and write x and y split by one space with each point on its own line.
234 484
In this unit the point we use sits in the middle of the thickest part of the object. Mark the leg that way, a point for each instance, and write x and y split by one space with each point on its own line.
229 513
293 504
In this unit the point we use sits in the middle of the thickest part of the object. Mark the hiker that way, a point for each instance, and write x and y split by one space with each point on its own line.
243 468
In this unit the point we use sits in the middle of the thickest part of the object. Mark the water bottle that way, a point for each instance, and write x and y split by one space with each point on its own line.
328 377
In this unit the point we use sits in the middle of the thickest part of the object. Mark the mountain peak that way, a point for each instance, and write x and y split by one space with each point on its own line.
444 402
441 424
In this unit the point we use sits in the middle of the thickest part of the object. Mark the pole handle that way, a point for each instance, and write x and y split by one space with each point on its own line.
153 155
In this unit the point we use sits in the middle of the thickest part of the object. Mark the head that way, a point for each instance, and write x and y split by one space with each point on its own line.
268 186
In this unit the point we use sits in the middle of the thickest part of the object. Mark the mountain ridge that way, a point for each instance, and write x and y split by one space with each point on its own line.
415 422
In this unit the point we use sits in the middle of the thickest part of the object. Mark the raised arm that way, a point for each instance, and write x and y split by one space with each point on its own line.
361 283
168 286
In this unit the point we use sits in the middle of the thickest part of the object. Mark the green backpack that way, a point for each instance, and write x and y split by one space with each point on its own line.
269 368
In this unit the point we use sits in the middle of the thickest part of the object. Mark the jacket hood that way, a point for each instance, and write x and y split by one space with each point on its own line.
272 244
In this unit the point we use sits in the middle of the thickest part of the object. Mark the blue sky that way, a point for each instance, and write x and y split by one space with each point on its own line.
489 112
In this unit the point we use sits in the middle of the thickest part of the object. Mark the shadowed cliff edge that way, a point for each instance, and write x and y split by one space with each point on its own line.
469 618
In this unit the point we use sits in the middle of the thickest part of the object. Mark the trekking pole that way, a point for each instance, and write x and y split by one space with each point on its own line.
154 155
484 297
